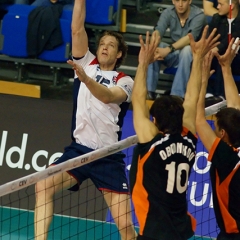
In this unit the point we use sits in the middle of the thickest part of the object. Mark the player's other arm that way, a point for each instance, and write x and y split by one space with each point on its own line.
192 94
145 129
204 130
79 35
231 91
104 94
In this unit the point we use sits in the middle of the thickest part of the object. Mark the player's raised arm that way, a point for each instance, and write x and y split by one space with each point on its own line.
79 35
144 128
199 50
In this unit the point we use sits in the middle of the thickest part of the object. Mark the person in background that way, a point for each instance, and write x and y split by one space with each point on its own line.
215 90
230 88
210 8
181 19
223 145
101 98
165 154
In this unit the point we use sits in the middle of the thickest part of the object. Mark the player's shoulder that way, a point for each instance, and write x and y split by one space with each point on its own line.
122 75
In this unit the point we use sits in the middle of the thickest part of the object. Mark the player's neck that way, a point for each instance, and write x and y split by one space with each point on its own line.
105 67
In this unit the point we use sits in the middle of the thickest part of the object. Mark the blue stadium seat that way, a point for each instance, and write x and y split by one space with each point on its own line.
61 53
14 29
101 12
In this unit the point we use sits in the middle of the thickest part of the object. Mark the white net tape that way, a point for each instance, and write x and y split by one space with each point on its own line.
33 178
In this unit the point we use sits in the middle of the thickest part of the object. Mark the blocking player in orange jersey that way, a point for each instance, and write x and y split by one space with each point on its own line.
166 150
223 145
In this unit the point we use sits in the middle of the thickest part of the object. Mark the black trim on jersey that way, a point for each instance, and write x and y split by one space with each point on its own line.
77 58
76 86
124 107
134 166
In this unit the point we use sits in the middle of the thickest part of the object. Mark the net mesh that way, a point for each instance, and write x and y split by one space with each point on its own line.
84 214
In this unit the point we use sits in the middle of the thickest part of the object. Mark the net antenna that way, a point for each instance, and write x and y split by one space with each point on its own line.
230 22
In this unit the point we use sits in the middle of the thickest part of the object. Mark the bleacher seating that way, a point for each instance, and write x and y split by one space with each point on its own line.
14 27
101 12
109 19
62 52
14 31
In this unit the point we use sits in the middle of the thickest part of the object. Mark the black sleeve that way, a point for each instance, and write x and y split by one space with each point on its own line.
225 159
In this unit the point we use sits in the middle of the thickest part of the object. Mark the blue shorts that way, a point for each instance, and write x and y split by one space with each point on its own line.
107 173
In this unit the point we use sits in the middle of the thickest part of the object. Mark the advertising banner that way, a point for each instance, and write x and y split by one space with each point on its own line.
34 132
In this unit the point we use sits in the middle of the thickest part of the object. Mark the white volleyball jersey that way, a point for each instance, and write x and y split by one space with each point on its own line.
96 124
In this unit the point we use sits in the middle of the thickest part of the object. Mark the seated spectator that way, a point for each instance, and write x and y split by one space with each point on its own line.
181 19
210 8
220 21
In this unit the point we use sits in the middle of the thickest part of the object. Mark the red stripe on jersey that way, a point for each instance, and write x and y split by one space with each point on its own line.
94 61
222 190
213 148
140 195
120 75
193 221
185 132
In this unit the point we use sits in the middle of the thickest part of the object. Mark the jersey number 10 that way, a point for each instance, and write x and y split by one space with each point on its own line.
176 178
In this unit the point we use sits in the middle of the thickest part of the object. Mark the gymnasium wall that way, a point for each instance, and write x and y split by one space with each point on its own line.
33 133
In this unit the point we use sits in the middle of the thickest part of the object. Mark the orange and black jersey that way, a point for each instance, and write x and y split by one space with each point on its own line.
158 182
225 178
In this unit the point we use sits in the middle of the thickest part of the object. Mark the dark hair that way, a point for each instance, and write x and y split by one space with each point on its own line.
229 120
168 112
122 46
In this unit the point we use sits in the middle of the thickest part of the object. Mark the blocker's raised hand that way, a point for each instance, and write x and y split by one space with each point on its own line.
146 54
205 44
227 58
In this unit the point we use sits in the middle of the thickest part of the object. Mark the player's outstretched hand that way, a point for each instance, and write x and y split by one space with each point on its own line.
82 76
146 54
206 67
205 44
227 58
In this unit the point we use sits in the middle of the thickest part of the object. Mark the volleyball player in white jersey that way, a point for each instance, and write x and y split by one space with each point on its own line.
101 99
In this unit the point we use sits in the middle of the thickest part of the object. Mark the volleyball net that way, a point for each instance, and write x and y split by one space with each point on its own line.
84 214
